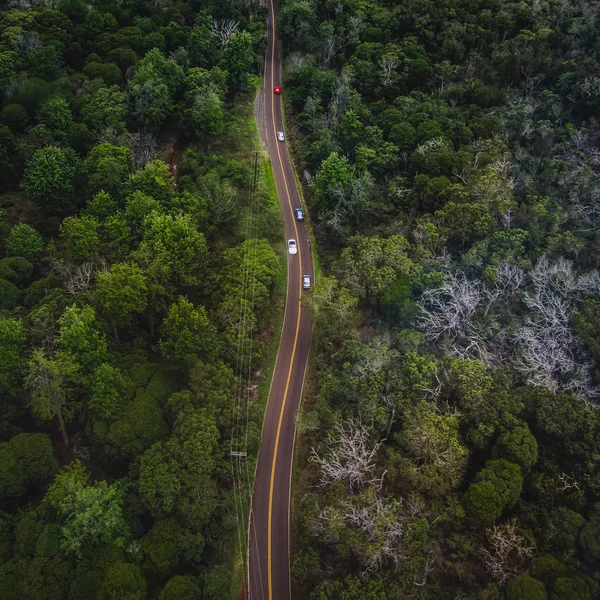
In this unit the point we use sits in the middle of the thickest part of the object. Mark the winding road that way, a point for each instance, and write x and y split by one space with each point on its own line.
268 542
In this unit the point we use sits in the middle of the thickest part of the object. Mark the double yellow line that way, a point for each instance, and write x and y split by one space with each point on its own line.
289 375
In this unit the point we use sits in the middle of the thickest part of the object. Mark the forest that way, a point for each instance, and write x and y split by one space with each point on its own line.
450 159
139 257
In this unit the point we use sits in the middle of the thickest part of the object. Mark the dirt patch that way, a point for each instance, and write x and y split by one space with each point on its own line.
174 156
243 595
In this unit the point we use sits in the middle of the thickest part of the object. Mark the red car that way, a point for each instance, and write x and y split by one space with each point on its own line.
277 90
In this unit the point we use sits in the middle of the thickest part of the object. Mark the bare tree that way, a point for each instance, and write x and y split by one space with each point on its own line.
426 569
389 62
381 520
546 342
349 456
145 150
339 102
507 551
27 42
77 278
449 309
223 29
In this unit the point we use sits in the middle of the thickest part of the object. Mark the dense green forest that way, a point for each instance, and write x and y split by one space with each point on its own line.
136 272
450 438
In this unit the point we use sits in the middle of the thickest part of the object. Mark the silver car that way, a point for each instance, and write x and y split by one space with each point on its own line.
306 282
280 136
292 247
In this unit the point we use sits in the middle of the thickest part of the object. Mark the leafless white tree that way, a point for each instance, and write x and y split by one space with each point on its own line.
509 278
349 456
507 551
546 341
224 29
434 145
380 519
27 42
426 569
389 62
77 278
449 309
329 49
339 102
145 150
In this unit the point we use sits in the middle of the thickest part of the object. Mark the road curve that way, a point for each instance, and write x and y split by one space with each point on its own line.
268 541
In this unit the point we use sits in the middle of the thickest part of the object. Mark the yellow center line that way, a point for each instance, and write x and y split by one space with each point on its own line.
289 375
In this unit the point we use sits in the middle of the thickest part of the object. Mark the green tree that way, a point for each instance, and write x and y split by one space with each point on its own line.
371 264
181 587
331 180
589 537
101 206
26 459
153 87
566 525
9 294
125 581
163 545
16 268
204 109
156 181
237 58
333 308
517 445
90 513
24 240
107 168
106 108
496 488
80 338
166 483
173 243
432 439
48 381
56 115
137 207
13 361
120 293
51 175
574 588
352 588
81 238
15 116
107 391
187 333
525 587
465 222
217 583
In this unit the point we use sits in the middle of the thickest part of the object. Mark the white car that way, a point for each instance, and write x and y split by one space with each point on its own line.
306 282
292 247
280 136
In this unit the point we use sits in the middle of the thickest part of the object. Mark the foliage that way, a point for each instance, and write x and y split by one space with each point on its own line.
109 257
25 460
51 175
187 333
24 240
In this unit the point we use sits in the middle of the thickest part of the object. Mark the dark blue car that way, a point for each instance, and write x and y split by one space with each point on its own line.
299 214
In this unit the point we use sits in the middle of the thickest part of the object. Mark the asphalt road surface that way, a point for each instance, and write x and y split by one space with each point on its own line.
268 543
